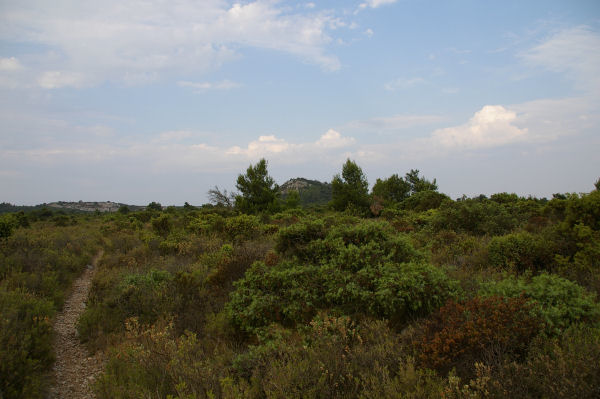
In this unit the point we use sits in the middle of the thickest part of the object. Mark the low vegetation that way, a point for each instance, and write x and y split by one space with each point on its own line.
400 292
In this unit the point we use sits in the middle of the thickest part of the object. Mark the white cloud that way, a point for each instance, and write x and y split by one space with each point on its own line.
403 83
492 126
58 79
575 52
395 122
369 32
9 64
264 146
376 3
88 42
203 86
548 119
271 146
333 139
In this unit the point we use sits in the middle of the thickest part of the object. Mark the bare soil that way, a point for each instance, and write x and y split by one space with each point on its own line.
75 369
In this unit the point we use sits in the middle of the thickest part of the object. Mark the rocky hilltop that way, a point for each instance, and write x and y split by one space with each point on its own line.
90 206
312 192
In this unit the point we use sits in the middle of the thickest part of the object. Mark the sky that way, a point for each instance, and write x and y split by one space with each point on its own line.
140 101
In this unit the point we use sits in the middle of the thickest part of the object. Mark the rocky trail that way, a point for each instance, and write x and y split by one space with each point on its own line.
74 369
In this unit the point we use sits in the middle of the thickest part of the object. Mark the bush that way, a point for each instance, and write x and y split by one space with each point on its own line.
295 239
152 362
520 252
411 290
284 293
557 301
25 344
424 200
114 297
161 225
333 357
477 217
289 293
242 227
7 225
564 367
207 223
480 329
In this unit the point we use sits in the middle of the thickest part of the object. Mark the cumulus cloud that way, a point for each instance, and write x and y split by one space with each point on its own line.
490 127
264 146
87 42
333 139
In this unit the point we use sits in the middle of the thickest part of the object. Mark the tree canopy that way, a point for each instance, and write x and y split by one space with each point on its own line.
258 190
351 189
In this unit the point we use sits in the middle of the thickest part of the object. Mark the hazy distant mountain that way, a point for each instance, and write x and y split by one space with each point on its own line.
312 192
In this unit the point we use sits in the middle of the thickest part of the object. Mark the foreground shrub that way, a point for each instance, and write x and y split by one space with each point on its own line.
115 297
334 357
152 362
565 367
559 302
398 292
289 293
285 293
480 329
25 344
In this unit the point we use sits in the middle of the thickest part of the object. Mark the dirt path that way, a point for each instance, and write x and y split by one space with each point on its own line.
74 369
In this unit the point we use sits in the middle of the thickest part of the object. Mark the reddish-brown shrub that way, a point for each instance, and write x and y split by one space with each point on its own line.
478 330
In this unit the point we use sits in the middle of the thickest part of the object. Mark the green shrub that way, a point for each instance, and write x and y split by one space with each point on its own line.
288 293
114 297
520 252
25 344
295 239
162 225
424 200
411 290
7 224
207 223
285 293
477 217
242 227
559 302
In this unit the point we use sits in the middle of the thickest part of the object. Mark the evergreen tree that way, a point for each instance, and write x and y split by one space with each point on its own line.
258 190
351 189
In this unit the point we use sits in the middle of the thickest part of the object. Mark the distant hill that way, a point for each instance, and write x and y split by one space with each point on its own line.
69 207
312 192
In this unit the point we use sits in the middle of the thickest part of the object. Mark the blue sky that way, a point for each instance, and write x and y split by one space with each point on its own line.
139 101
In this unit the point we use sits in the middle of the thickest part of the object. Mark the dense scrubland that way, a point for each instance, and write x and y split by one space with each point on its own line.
400 292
